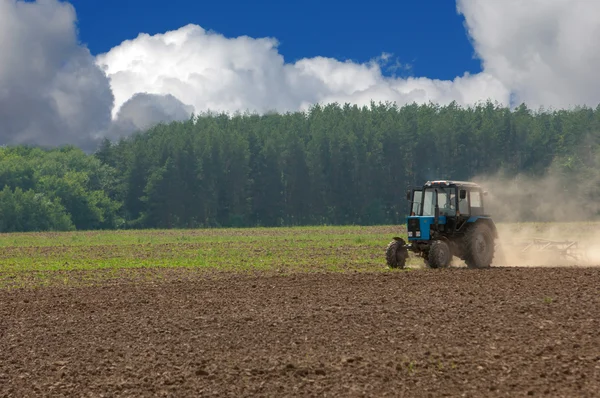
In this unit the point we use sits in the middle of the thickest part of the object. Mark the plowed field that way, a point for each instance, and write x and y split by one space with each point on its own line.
453 332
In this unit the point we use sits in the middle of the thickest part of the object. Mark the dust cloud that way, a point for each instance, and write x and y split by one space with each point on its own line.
545 221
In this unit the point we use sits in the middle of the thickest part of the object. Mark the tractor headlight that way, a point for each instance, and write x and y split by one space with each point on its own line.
418 234
410 234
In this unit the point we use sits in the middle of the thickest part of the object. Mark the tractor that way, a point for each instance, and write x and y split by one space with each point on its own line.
447 218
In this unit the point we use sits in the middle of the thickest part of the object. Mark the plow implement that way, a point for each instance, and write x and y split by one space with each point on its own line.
565 250
545 251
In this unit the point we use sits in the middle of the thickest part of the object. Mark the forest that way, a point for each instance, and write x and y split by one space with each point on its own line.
330 165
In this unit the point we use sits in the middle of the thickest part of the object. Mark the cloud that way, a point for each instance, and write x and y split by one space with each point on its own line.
51 90
211 72
544 51
143 111
541 52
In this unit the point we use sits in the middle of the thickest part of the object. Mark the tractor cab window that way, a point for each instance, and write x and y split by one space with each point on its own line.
417 202
428 202
463 204
476 203
445 199
475 199
470 202
447 202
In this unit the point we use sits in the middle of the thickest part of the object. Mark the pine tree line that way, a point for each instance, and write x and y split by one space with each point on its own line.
334 164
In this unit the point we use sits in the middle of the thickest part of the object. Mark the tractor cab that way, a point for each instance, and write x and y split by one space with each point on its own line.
444 205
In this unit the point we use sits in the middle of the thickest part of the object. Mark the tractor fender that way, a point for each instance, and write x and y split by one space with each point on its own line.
401 240
486 220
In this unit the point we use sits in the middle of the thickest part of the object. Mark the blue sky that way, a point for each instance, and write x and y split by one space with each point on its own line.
427 34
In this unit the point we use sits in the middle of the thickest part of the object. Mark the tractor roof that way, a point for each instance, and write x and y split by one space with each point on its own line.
452 183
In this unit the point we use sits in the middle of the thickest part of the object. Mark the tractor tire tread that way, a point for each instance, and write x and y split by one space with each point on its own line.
440 255
469 243
396 254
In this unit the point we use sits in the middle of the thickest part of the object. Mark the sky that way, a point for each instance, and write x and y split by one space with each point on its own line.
428 35
74 72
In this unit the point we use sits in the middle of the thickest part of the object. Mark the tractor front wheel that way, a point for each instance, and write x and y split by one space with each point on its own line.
396 253
440 255
479 246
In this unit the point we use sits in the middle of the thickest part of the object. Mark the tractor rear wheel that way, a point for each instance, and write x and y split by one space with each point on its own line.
396 254
479 246
440 255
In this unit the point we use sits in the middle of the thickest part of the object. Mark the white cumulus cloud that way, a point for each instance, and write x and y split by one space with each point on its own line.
545 51
211 72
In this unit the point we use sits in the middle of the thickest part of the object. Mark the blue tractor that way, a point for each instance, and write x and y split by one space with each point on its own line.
447 218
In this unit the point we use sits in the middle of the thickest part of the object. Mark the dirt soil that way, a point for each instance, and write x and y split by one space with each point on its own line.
456 332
